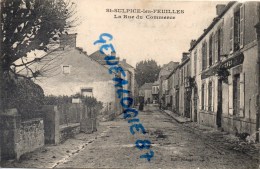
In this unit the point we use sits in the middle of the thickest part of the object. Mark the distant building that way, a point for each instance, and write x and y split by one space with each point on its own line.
184 86
163 82
155 92
129 70
146 92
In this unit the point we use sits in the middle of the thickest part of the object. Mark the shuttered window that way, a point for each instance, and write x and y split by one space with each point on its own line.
210 96
213 47
230 97
220 44
236 95
210 50
195 63
204 55
202 97
231 34
216 45
242 25
242 95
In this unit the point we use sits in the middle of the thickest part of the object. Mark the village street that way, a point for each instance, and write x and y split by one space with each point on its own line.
175 146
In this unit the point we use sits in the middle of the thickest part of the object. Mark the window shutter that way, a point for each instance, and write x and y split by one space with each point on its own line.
216 46
213 48
242 95
201 59
209 100
213 96
221 42
242 25
205 96
206 55
230 98
199 98
202 98
231 43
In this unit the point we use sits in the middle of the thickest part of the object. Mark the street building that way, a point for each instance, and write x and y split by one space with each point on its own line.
155 92
225 69
145 91
163 82
84 74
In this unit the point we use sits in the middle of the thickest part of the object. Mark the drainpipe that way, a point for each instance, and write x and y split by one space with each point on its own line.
257 26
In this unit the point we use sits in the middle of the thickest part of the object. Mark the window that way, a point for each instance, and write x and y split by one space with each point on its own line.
87 91
218 44
66 69
210 97
236 94
237 29
195 63
210 50
204 55
202 96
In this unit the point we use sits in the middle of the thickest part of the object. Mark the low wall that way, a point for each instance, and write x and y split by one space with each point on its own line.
31 136
207 119
18 138
240 125
230 124
68 131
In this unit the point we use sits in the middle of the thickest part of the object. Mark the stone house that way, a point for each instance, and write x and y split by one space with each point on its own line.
163 83
179 95
68 70
173 81
225 66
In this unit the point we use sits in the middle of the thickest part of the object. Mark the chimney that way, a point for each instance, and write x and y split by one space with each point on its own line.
185 55
220 8
68 40
192 43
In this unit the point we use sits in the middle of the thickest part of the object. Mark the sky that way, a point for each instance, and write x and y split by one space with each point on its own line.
142 39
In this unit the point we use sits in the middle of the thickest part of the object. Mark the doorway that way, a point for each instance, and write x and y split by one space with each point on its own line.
195 105
219 110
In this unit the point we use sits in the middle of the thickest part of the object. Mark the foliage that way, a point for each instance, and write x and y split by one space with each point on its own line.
59 100
29 25
56 100
147 71
24 95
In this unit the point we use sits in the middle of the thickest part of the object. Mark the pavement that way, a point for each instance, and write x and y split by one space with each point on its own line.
175 145
235 143
176 117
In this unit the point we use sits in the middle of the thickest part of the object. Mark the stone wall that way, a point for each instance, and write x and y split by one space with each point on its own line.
68 131
30 136
18 138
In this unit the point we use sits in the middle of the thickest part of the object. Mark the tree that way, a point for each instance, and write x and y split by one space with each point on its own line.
147 71
26 26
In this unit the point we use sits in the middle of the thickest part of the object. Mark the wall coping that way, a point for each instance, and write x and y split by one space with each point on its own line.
70 125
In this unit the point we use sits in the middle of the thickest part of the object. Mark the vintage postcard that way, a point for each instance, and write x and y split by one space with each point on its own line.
130 84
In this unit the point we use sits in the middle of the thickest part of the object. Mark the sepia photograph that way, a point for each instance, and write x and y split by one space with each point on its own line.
145 84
